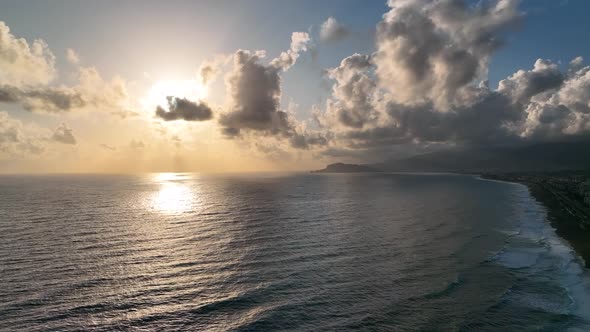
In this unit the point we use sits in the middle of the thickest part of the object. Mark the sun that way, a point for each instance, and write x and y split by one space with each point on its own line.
157 94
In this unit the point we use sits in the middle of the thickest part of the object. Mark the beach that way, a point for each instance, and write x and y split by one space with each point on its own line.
567 213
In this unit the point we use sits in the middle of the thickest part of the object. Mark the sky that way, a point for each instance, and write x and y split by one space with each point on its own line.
215 86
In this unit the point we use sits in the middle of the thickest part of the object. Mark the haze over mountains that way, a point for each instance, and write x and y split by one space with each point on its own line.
538 157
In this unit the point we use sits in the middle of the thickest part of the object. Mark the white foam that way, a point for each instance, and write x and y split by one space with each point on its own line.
537 247
517 258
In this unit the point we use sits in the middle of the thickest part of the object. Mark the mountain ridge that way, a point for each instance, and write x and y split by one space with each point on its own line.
540 157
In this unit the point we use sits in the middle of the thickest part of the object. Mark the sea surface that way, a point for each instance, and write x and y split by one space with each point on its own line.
282 252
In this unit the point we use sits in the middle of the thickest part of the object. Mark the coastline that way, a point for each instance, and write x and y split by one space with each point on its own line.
559 213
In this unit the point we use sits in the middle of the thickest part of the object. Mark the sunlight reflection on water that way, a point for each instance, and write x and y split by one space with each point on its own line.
306 252
174 195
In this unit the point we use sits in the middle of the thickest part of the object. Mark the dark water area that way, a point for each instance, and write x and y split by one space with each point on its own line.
290 252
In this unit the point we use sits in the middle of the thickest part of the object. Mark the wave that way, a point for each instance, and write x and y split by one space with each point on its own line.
551 277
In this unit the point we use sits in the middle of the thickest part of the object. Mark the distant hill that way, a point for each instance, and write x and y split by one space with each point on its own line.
347 168
540 157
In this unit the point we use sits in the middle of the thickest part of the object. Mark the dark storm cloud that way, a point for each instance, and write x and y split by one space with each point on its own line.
184 109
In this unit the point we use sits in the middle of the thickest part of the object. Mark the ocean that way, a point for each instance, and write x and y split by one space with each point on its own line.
282 252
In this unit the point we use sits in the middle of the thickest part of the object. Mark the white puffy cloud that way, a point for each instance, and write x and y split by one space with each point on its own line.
23 63
72 56
426 85
27 76
353 93
299 43
332 30
577 63
254 91
91 93
561 111
432 51
210 69
18 140
523 85
575 91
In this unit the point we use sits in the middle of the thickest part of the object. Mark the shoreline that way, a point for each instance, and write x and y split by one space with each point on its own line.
567 226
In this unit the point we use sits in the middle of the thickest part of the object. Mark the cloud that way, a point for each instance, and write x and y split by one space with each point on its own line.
63 134
353 92
108 147
136 145
255 93
99 94
575 91
48 99
176 140
230 132
577 63
91 93
9 94
306 140
523 84
10 130
299 43
529 105
273 151
432 51
18 140
123 114
426 85
27 72
72 56
207 72
210 69
254 108
332 30
184 109
23 63
563 110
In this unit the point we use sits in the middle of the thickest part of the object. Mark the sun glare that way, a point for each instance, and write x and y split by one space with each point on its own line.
158 93
174 196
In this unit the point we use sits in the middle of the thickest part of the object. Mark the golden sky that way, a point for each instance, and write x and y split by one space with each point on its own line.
151 88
